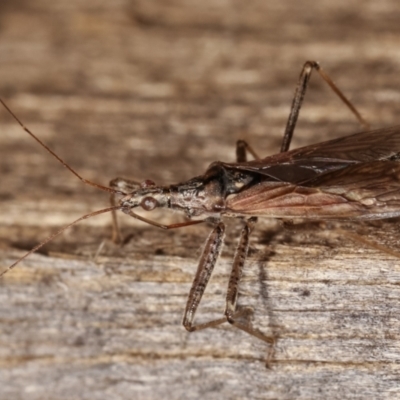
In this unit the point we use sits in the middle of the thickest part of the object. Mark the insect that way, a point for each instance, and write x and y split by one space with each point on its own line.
353 177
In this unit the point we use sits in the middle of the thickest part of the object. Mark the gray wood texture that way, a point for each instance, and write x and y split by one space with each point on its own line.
158 90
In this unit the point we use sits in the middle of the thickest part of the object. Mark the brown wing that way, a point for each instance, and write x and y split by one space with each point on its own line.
373 182
305 163
378 144
366 191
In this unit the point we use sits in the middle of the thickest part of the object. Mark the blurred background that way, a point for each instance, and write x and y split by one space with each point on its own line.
158 90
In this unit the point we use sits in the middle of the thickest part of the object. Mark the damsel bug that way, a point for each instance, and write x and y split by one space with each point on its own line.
354 177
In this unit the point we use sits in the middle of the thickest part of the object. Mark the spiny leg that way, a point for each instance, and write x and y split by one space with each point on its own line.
211 252
231 312
237 270
207 262
299 97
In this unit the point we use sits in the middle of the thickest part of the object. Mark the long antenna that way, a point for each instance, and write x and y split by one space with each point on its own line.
54 235
86 181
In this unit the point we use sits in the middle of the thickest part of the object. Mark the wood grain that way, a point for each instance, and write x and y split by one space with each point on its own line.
158 90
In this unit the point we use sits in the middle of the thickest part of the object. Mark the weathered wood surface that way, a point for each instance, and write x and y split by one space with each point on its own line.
158 90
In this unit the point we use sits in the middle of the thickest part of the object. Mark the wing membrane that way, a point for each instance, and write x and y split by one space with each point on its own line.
305 163
365 191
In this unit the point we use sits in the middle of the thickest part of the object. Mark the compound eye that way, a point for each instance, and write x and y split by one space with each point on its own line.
149 203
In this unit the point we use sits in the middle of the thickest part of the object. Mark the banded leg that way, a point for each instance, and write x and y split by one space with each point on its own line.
209 257
299 97
206 265
232 315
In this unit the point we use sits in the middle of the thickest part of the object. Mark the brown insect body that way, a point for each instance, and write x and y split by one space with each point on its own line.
354 177
326 181
204 196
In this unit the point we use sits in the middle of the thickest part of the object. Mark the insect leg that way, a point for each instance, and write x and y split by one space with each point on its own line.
299 96
211 252
126 186
205 268
242 147
237 270
162 226
231 312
